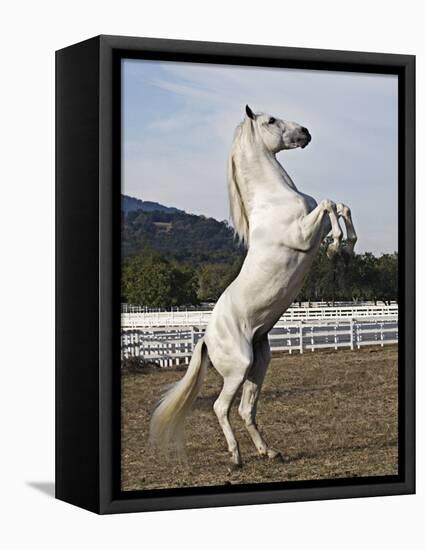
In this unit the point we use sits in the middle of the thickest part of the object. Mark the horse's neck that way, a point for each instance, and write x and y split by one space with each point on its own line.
265 178
285 178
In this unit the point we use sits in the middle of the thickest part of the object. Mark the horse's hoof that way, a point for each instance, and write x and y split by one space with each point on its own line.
234 467
347 253
274 455
332 251
277 456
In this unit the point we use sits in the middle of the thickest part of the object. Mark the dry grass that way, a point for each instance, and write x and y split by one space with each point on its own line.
332 414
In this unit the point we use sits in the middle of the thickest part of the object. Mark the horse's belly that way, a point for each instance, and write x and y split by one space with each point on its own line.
266 318
256 299
269 294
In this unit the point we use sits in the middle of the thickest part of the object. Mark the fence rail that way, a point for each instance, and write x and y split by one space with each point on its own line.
201 318
208 306
174 345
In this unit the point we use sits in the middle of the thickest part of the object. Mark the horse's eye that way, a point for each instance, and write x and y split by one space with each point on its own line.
272 120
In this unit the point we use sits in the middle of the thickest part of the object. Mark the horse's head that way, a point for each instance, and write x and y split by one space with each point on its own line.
277 134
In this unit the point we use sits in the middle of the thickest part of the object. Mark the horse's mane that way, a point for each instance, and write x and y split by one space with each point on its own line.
238 211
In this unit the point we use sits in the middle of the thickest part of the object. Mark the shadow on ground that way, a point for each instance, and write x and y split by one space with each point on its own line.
46 487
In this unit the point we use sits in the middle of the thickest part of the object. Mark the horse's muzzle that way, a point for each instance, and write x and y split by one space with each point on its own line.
306 138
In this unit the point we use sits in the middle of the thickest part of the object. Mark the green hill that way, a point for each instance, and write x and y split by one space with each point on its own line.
129 204
175 234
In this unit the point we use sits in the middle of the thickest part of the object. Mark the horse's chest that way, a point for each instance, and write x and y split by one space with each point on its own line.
304 205
299 206
310 203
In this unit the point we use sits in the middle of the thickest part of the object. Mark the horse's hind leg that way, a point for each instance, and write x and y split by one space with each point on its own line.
250 394
233 364
222 407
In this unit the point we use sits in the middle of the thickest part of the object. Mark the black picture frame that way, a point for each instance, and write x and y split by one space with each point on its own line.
87 273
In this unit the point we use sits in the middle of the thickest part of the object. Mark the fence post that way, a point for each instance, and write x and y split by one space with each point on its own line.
289 340
358 336
301 337
352 334
192 335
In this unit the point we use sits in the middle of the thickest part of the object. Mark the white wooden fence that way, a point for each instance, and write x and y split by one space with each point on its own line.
201 318
208 306
173 345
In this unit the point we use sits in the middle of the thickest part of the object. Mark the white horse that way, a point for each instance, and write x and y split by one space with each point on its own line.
282 229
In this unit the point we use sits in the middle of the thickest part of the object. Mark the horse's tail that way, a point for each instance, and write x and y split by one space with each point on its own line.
167 422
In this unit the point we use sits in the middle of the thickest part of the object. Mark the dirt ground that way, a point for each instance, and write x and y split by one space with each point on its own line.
332 414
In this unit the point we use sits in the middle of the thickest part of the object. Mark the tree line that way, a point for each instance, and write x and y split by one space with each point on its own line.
154 279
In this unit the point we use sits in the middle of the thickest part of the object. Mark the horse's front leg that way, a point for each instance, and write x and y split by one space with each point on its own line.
312 226
344 212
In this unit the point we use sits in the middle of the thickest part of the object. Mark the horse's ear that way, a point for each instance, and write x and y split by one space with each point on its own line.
249 113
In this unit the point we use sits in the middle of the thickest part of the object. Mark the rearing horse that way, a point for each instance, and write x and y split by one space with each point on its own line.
282 229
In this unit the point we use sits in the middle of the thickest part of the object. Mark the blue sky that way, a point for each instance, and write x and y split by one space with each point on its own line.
179 119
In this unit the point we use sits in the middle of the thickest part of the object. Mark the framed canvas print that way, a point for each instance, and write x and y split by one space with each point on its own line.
235 274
